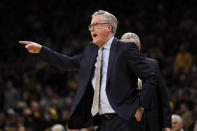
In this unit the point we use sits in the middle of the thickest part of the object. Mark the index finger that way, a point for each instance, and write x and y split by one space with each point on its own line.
25 42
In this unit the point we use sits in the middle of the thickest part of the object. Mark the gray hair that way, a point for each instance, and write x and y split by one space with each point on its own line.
111 19
130 35
58 126
179 119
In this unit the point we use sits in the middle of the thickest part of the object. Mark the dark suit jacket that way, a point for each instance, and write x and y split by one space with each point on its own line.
159 115
125 65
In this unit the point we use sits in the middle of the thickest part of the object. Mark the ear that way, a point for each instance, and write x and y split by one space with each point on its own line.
109 28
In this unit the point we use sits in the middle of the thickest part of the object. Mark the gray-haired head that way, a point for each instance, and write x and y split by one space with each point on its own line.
130 35
58 127
177 117
110 18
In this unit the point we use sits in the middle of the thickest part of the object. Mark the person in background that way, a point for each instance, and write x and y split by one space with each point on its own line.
57 127
11 96
158 117
177 123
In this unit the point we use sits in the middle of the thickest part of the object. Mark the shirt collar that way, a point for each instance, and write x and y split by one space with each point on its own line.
107 45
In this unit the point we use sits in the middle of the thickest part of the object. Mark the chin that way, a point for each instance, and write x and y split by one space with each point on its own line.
95 42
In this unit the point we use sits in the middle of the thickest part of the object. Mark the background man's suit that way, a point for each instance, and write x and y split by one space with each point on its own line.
125 65
159 115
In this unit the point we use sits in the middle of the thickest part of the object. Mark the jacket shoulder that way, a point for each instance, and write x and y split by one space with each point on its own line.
150 60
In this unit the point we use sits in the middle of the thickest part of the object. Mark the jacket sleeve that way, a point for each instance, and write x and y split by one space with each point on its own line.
145 72
164 107
57 59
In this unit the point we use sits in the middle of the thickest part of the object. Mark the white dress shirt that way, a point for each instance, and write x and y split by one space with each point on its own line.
104 106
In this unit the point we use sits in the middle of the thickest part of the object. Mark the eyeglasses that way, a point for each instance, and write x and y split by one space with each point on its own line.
95 25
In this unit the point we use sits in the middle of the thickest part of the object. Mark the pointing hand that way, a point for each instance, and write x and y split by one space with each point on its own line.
32 47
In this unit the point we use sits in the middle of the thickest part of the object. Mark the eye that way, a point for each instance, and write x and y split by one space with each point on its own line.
95 24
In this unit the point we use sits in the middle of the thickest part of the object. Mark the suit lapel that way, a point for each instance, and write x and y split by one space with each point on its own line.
90 60
88 65
92 57
86 70
113 50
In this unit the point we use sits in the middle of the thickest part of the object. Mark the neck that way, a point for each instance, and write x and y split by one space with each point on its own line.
101 44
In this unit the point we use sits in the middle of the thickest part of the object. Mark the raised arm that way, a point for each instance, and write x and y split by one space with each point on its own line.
52 57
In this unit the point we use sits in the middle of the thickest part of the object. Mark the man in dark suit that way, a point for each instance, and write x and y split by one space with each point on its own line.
107 94
158 117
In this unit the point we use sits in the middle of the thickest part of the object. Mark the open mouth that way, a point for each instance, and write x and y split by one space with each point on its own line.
94 35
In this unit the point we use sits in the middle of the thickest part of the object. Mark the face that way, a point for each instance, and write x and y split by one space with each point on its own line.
176 126
100 30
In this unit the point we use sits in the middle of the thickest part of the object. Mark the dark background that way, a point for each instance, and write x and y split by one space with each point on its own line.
167 29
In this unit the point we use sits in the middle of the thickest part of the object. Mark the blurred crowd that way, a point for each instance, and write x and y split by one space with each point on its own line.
34 96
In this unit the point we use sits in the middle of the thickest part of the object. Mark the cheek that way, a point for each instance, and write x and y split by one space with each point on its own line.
102 33
99 35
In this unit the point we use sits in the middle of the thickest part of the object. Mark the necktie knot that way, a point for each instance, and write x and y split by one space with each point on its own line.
100 49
